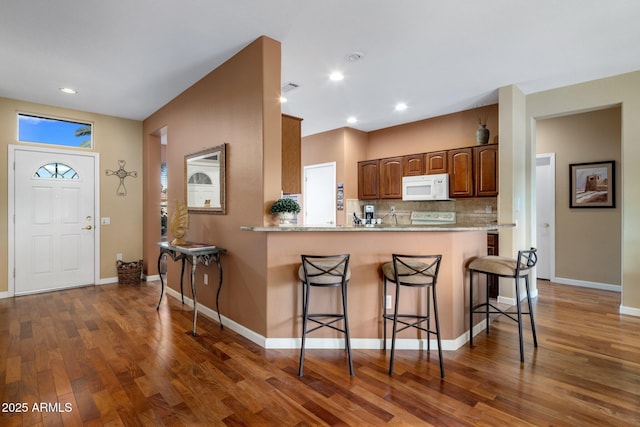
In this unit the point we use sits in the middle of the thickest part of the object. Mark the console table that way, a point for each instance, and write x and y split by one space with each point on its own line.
193 253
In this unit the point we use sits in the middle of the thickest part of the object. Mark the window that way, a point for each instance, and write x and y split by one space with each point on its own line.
56 171
200 178
48 130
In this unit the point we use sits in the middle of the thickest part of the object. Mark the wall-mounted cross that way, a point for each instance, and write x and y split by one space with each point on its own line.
122 174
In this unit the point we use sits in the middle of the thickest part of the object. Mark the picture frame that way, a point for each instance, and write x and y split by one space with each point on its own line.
592 185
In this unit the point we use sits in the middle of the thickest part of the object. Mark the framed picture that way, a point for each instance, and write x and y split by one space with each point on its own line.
592 185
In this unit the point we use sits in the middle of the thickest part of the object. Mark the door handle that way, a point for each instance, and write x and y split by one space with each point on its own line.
88 227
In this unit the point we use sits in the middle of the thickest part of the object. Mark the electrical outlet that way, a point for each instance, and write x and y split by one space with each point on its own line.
206 279
118 257
387 304
393 209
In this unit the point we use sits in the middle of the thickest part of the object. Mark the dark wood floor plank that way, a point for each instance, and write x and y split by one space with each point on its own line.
107 353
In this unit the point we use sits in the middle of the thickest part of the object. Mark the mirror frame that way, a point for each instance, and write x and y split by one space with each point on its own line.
222 149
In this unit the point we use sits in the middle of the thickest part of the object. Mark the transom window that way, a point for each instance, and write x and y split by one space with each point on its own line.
53 131
56 171
200 178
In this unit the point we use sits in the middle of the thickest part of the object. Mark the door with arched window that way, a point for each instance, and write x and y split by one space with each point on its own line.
55 210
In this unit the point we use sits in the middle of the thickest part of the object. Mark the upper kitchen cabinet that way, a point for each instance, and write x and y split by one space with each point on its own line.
391 170
291 154
413 164
435 162
368 180
485 163
460 163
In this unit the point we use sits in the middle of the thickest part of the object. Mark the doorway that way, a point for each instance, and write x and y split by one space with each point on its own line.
319 207
545 215
55 243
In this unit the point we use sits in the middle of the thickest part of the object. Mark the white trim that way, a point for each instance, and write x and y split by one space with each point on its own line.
552 218
11 207
305 192
631 311
587 284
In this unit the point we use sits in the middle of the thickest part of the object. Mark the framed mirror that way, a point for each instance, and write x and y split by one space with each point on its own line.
204 180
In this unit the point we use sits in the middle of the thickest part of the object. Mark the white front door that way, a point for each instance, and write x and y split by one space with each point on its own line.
54 228
545 214
320 194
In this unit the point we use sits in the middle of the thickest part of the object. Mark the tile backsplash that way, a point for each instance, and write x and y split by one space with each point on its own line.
469 211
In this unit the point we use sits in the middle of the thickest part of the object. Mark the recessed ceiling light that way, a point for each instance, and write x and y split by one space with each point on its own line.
336 76
68 90
354 56
352 120
401 106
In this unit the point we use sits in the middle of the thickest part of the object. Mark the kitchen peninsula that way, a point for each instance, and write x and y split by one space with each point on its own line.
369 248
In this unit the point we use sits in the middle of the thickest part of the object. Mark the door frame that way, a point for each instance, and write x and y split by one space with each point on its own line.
552 221
11 207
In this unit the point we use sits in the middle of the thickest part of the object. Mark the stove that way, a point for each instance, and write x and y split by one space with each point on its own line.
432 217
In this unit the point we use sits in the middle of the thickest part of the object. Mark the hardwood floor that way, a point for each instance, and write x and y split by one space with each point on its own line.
104 356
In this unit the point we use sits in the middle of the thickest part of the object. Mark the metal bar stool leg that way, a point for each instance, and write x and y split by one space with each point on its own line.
519 310
435 314
395 329
533 325
471 308
347 343
305 314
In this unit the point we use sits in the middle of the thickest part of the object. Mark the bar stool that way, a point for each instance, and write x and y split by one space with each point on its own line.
414 271
324 271
504 267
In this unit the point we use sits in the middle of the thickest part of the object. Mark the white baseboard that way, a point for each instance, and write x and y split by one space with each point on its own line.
631 311
586 284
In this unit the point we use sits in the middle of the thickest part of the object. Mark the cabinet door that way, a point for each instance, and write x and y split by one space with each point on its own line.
486 170
391 178
368 180
413 165
291 154
435 162
460 165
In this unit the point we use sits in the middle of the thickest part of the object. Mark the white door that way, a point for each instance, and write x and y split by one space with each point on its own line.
545 215
320 194
54 202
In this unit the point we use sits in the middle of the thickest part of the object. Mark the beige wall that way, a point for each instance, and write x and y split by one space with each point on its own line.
236 104
619 90
115 139
588 244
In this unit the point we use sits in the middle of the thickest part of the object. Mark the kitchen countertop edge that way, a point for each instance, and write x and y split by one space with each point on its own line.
379 228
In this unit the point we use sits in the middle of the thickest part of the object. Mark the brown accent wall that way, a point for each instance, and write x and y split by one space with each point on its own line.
346 147
236 104
439 133
588 244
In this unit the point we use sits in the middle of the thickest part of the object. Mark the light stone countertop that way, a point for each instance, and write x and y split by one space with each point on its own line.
382 227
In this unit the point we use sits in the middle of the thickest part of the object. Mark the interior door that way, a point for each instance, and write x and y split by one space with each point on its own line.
545 214
320 194
54 201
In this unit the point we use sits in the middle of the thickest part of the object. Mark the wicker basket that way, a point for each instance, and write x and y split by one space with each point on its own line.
129 272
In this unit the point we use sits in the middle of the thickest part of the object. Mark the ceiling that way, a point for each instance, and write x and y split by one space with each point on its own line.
129 58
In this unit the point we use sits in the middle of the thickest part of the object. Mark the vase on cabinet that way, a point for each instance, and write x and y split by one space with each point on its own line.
482 135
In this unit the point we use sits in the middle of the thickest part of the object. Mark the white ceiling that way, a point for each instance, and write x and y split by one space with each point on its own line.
127 58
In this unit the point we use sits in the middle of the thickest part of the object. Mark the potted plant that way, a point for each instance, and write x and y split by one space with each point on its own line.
285 209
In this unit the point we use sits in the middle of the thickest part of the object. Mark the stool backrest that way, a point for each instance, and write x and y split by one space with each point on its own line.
325 269
416 269
526 260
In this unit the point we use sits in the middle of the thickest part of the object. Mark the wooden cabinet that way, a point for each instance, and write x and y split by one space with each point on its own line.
291 154
368 180
435 162
391 170
460 164
485 163
413 165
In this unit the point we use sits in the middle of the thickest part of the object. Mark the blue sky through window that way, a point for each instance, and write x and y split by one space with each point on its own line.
52 131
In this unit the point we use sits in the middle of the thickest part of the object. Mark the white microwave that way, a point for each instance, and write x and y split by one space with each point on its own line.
425 187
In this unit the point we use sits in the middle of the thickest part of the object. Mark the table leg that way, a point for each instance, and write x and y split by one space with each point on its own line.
193 293
161 280
217 261
181 278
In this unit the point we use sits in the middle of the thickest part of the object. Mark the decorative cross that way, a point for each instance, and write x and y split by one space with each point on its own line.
122 174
